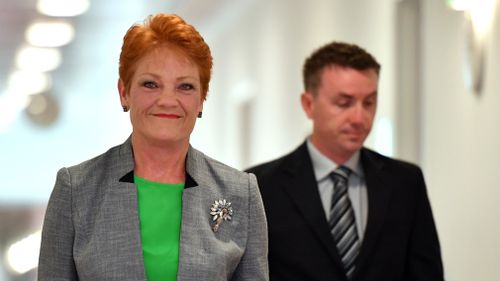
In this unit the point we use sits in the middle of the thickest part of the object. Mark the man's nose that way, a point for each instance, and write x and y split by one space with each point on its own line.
358 114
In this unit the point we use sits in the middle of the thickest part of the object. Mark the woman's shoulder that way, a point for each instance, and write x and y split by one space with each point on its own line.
100 167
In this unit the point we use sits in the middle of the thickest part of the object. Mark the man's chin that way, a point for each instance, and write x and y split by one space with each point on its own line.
354 146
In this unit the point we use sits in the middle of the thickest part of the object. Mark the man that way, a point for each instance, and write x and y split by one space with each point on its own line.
335 209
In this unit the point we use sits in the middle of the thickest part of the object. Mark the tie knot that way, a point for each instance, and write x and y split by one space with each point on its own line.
341 173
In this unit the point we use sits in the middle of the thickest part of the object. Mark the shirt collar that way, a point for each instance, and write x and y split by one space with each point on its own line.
323 166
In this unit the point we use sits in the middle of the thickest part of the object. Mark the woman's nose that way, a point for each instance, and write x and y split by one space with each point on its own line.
167 96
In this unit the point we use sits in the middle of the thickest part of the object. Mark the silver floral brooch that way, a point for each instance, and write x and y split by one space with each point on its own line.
220 211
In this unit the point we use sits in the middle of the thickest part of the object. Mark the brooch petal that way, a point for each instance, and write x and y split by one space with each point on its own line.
220 211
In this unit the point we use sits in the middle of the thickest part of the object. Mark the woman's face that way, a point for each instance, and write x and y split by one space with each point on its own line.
164 97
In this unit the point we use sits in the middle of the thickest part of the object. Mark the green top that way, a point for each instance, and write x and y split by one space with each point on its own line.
160 214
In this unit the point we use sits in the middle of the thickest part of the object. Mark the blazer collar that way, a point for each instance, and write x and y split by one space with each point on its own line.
125 171
127 192
195 167
125 168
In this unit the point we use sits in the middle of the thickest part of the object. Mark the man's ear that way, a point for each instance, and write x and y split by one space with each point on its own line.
306 99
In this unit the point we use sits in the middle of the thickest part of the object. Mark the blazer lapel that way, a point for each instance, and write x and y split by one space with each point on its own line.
379 193
124 194
300 184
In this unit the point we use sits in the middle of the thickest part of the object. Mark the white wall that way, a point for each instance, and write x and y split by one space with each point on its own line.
255 94
253 113
461 146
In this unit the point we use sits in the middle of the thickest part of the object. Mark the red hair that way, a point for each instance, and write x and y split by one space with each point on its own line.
164 30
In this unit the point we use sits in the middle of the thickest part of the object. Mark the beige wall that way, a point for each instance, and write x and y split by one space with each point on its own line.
254 104
461 146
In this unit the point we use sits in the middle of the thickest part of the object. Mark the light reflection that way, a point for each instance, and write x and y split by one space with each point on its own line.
481 14
459 5
479 11
384 135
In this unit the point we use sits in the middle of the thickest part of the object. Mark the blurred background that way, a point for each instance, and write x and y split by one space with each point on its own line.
439 100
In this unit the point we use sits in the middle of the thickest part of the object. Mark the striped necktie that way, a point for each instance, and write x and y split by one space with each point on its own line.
342 221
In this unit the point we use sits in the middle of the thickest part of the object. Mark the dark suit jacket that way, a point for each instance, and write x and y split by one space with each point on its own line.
400 241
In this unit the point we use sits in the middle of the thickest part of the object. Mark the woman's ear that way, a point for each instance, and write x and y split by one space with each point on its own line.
200 108
123 96
123 93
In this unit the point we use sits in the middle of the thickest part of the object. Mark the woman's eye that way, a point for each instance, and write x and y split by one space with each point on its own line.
150 85
186 87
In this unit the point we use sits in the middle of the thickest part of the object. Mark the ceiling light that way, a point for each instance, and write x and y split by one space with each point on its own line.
63 8
38 59
50 34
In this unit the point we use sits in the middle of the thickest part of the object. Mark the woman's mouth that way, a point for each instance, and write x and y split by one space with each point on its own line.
167 115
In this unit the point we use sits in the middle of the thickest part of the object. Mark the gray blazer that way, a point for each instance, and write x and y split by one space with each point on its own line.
91 227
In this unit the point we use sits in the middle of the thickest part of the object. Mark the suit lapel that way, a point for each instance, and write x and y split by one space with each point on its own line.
379 193
299 182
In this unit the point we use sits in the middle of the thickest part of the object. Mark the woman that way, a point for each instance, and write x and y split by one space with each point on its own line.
155 208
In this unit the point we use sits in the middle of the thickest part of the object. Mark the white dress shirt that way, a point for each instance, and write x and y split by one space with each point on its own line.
358 194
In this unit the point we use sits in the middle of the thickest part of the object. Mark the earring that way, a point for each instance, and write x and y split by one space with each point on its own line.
125 108
200 114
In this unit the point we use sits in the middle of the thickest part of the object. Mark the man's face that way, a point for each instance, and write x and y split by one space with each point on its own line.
342 110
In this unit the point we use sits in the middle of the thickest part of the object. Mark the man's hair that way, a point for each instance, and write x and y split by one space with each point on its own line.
336 54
